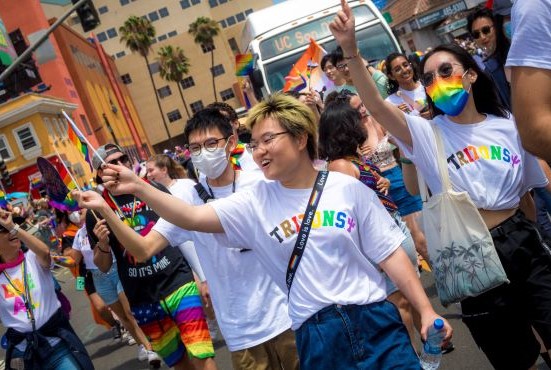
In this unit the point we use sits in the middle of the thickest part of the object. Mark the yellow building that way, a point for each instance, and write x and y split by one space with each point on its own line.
31 126
171 20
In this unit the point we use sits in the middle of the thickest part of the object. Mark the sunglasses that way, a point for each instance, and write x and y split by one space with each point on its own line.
122 159
483 31
445 70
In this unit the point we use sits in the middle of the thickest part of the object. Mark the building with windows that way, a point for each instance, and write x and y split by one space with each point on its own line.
171 19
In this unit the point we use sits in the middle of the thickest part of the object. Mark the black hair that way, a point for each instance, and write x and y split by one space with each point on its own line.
341 131
392 85
337 56
483 89
502 43
206 119
225 108
326 58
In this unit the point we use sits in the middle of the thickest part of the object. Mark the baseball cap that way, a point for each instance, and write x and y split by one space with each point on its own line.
103 152
502 7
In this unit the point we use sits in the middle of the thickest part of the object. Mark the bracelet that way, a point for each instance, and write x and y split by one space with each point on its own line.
405 161
101 250
353 56
15 230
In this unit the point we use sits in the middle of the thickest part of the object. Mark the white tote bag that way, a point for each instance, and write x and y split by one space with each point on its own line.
462 253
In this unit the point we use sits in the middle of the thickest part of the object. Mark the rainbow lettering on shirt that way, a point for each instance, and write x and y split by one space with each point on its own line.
325 218
16 294
472 154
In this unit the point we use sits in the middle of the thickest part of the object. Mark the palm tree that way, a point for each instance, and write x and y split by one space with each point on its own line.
138 34
173 66
203 31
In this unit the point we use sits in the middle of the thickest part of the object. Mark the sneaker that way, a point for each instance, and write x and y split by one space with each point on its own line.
128 338
142 353
448 348
153 359
117 333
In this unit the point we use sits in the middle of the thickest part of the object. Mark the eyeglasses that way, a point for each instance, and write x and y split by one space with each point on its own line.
122 159
210 145
445 70
341 66
483 31
404 65
264 141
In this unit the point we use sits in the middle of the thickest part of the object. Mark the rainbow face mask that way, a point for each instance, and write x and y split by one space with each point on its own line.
448 94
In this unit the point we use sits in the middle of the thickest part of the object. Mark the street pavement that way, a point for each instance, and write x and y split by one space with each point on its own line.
108 355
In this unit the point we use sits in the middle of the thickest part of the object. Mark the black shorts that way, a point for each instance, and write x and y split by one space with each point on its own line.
89 286
501 319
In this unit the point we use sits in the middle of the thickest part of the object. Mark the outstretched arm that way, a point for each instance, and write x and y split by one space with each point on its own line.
392 118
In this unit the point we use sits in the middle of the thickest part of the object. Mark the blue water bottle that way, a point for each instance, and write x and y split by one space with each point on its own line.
432 351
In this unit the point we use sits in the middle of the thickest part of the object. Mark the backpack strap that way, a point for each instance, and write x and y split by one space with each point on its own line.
203 193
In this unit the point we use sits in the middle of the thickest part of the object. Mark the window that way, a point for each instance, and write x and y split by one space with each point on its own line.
59 128
227 94
164 91
172 34
207 48
218 70
153 16
120 54
233 45
103 9
195 2
111 32
187 83
162 38
185 4
27 141
174 115
213 3
5 150
101 36
73 94
222 1
223 23
84 123
231 21
248 11
196 106
126 79
124 2
154 68
163 12
240 17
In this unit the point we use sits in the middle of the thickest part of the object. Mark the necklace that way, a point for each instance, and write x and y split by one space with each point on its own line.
23 293
233 185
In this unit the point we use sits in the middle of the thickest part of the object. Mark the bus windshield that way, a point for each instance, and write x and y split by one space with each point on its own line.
374 43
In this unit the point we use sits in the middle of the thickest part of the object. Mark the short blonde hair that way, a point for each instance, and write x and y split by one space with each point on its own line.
293 115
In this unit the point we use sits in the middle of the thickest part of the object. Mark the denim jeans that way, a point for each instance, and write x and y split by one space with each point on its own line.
355 337
60 359
543 207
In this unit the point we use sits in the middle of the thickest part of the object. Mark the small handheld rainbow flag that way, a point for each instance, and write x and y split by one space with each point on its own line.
80 144
305 73
36 183
244 64
3 201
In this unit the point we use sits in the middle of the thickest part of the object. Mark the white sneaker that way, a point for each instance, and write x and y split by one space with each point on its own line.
128 338
142 353
153 359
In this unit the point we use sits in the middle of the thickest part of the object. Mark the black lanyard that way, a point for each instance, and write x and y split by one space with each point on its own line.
305 227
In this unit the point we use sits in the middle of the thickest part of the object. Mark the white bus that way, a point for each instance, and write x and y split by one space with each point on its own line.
278 36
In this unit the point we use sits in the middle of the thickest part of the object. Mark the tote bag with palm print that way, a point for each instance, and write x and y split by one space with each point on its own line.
462 253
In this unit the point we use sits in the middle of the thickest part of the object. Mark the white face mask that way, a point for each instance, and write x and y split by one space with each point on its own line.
74 217
212 164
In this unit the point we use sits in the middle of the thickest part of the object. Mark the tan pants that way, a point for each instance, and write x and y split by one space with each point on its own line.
275 354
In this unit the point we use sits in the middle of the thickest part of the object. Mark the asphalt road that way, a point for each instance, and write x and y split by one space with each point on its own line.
108 355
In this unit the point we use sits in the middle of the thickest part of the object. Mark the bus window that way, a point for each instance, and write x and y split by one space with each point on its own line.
374 43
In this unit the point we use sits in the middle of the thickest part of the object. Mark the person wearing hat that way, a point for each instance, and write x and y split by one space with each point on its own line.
161 290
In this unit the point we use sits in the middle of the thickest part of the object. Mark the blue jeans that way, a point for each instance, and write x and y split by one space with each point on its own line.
60 359
543 209
355 337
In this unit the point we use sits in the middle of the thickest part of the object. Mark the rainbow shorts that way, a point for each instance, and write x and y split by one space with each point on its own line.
176 324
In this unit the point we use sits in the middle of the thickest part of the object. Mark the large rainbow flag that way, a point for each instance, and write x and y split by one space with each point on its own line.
306 72
79 143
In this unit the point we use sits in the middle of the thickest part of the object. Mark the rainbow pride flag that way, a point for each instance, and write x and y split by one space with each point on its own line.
244 64
306 72
80 144
36 183
68 205
3 201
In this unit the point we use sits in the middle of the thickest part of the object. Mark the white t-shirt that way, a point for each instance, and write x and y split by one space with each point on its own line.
250 308
13 313
531 30
188 248
336 265
81 243
485 159
416 99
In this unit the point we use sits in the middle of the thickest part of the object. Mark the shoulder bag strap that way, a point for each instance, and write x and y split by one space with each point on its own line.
441 158
305 227
203 193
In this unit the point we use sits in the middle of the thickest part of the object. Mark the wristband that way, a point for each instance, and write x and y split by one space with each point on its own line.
405 161
353 56
15 230
101 250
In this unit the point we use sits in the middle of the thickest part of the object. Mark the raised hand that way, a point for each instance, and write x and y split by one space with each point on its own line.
6 220
89 199
120 179
344 30
102 233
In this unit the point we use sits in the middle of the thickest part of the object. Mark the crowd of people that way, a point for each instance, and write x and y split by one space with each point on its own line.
301 241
